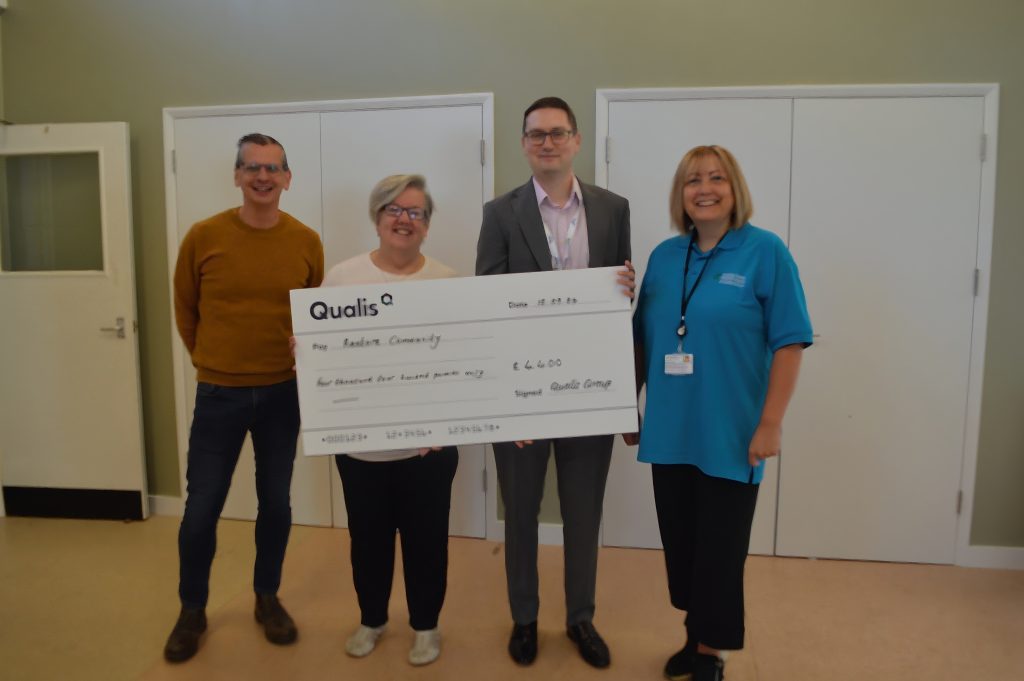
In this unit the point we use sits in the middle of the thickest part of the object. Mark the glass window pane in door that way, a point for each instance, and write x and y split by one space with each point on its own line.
50 216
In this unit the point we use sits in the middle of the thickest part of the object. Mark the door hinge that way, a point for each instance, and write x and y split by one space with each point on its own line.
984 147
607 149
174 162
483 152
959 501
977 279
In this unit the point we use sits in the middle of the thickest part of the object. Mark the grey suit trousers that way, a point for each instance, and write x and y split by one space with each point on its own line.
582 464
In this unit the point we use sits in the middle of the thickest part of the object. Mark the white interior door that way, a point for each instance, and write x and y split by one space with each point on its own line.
337 152
886 195
204 157
442 143
70 425
647 140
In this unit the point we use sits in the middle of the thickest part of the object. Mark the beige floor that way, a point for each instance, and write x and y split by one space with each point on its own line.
95 600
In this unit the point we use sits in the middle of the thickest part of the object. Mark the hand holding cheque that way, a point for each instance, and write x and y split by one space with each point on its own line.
464 361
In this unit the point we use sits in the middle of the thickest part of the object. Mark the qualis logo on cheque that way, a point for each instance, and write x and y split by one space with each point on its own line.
320 310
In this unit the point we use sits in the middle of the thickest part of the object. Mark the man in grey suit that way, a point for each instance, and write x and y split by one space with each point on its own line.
554 221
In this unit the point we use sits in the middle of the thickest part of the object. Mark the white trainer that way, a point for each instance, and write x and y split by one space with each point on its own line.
364 640
426 647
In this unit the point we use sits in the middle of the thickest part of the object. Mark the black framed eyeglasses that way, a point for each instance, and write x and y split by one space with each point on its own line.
395 211
558 136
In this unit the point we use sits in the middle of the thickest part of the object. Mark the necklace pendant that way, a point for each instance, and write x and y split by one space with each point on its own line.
681 331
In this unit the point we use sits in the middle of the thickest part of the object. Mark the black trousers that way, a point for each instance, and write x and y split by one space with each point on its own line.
705 529
411 497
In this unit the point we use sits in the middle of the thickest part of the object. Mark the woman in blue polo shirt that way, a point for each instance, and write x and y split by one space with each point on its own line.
720 325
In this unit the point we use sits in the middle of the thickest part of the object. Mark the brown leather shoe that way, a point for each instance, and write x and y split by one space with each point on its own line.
592 647
184 639
278 626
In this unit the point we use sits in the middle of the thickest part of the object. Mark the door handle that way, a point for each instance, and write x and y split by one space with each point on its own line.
117 328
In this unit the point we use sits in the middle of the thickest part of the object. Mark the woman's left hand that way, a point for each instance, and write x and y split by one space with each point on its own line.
767 441
627 280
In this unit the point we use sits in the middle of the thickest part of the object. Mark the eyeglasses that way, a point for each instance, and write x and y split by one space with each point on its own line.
558 136
395 211
254 168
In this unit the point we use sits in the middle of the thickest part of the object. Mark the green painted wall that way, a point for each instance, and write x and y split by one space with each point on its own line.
1 68
3 167
67 60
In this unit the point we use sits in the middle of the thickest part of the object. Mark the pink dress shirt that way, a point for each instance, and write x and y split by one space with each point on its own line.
574 254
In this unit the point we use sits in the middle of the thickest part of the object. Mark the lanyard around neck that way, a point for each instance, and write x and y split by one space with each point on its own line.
557 263
681 331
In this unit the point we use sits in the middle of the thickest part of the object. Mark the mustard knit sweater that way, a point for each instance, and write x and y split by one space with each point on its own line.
231 298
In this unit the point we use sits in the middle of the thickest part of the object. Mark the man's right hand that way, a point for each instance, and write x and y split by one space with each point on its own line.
631 439
627 280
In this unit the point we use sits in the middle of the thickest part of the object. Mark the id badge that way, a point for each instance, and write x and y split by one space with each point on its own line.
679 364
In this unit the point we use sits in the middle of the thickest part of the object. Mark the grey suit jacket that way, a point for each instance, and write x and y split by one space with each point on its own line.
512 234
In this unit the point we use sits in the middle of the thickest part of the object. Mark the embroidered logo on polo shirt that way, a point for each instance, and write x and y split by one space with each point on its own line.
731 279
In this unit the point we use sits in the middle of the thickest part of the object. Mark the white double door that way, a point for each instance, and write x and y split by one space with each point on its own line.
337 153
878 200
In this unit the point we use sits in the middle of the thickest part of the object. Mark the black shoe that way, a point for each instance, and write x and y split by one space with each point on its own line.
680 666
522 645
277 625
184 639
592 647
708 668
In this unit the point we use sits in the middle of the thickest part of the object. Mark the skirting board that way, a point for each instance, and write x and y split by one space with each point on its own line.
997 557
547 533
79 503
161 505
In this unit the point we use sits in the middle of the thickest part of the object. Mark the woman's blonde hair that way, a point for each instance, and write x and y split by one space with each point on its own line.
742 208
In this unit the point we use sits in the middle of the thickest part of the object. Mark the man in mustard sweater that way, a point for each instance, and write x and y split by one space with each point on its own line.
232 309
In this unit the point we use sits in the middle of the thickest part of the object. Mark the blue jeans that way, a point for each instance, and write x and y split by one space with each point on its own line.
222 416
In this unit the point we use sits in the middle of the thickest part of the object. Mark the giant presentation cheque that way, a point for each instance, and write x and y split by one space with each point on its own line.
464 361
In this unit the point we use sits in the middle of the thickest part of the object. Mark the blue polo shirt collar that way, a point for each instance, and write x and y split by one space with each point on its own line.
732 240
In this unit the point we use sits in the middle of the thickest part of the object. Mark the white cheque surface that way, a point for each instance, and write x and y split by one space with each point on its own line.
464 361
